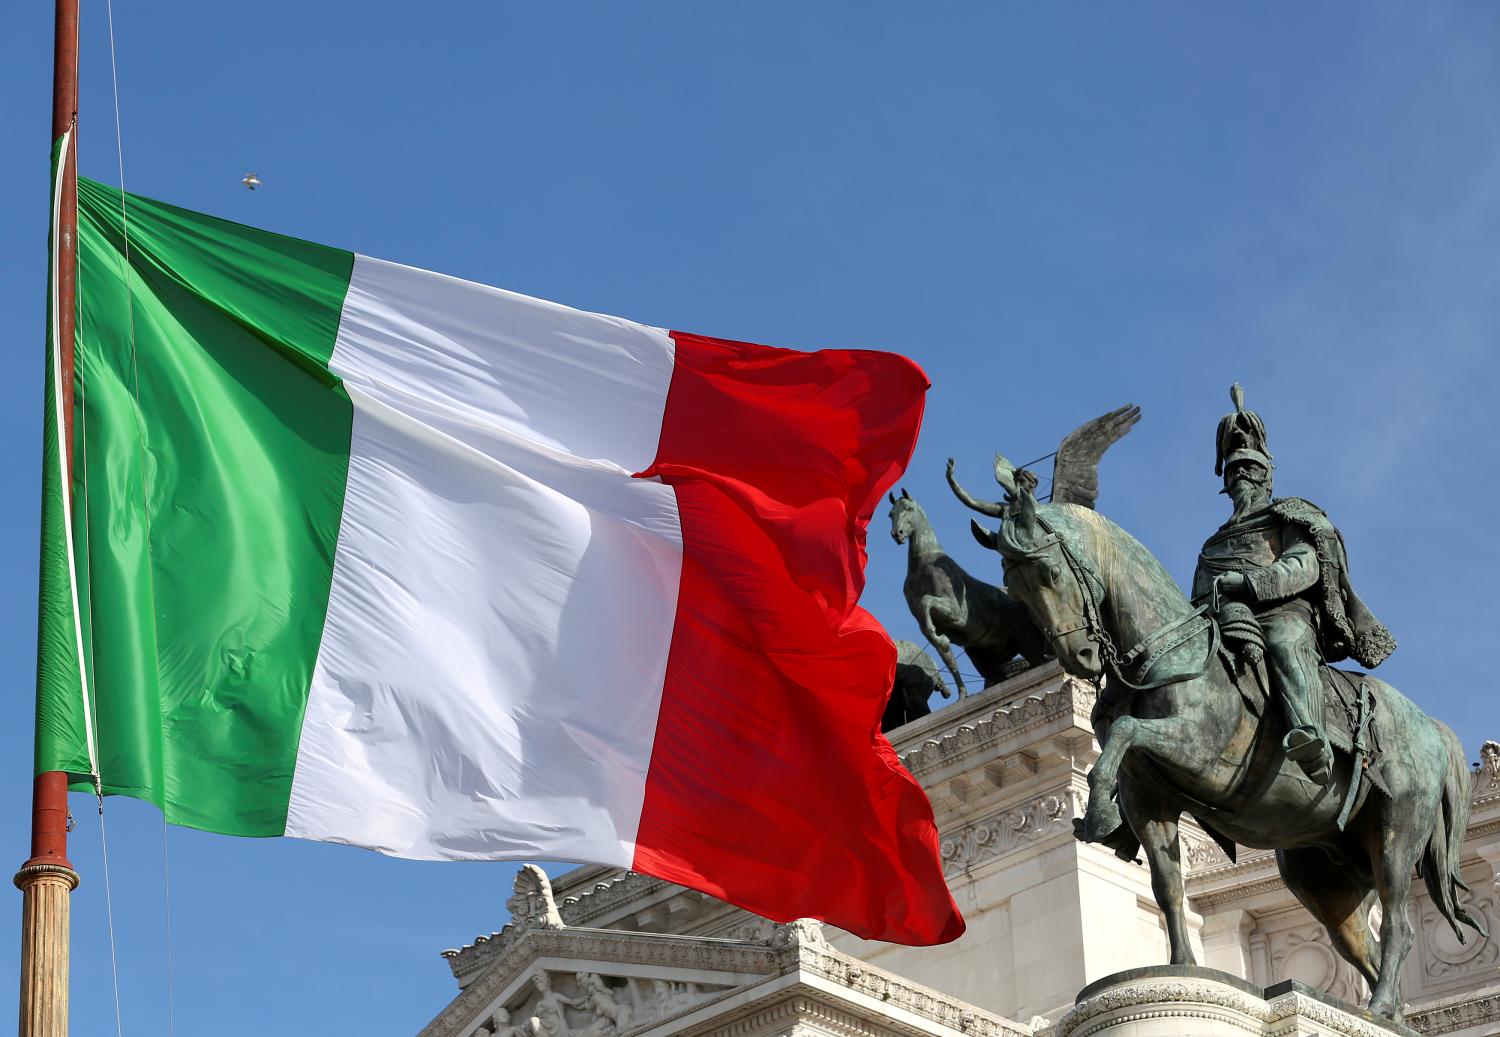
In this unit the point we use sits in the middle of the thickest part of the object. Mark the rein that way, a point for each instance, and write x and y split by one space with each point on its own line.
1149 650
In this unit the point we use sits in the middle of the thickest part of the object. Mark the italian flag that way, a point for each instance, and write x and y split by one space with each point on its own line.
367 554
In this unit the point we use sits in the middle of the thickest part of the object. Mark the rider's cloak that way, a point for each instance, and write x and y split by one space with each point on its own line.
1348 628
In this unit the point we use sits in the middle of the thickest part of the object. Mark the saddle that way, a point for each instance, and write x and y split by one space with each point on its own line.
1343 715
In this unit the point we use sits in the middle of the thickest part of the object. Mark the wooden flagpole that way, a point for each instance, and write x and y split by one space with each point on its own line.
47 880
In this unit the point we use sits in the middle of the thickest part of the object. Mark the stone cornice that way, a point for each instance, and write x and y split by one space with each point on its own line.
822 960
1457 1012
1028 682
607 894
500 961
798 947
1071 698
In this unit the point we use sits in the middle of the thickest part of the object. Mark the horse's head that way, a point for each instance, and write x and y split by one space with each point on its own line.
1046 570
906 516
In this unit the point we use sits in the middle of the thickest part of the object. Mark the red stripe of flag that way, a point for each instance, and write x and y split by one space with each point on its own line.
770 784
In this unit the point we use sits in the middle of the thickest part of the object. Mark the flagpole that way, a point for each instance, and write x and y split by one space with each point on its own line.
47 879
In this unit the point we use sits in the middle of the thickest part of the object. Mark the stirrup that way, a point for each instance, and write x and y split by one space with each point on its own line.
1309 750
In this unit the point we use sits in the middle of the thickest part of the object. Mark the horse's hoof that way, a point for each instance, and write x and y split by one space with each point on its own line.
1078 830
1099 824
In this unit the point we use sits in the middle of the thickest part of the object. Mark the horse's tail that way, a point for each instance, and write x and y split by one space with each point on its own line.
1441 859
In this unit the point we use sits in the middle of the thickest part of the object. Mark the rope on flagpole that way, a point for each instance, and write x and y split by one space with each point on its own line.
109 912
86 669
114 76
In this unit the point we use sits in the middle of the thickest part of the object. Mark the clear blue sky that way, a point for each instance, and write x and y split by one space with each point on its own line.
1055 209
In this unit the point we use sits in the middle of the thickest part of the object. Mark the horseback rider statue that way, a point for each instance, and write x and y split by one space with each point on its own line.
1359 803
1276 577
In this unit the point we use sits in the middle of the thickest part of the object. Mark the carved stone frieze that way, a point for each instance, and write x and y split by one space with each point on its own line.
998 834
1202 853
1460 1014
750 928
1217 898
1296 1005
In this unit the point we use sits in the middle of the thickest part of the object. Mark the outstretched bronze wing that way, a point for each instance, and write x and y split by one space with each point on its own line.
1075 472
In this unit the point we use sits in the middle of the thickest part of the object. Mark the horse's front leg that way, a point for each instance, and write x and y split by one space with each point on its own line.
1155 825
931 608
1162 739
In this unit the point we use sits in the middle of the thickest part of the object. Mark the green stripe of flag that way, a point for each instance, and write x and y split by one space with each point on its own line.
212 508
61 739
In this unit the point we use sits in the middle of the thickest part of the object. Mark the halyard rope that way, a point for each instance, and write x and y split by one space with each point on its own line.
109 911
145 503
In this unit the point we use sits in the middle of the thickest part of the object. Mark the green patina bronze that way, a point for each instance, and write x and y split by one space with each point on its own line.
1223 707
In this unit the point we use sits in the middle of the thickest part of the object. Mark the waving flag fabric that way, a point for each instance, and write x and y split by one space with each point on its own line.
379 556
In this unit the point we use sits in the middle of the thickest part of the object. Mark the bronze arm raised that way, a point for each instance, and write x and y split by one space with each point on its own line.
991 508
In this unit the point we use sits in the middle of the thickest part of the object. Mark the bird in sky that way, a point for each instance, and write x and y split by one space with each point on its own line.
250 180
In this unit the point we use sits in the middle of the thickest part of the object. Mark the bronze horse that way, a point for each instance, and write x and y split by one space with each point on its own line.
1184 740
952 607
917 677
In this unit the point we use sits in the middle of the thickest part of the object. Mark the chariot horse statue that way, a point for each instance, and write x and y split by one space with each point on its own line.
1186 726
950 605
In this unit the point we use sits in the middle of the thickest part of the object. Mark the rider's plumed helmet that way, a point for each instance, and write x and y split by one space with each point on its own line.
1242 436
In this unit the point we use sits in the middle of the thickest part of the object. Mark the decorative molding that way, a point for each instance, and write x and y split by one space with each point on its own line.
499 962
1203 853
1072 697
749 928
1171 998
1456 1015
1487 774
1481 831
796 946
897 992
800 932
1294 1004
1293 950
531 905
1204 901
1006 830
626 886
1443 958
1162 998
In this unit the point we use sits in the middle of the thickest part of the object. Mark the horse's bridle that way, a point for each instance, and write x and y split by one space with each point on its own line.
1146 652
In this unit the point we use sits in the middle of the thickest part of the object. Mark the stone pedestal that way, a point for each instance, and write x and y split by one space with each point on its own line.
1188 1001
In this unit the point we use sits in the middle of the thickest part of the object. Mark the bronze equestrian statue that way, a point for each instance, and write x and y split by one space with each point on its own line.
1185 724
